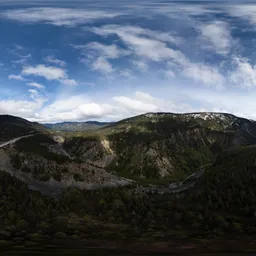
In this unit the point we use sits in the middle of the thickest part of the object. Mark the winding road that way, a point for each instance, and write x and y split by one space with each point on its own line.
51 187
178 187
54 189
12 141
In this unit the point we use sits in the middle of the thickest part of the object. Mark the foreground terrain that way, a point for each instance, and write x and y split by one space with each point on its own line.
120 184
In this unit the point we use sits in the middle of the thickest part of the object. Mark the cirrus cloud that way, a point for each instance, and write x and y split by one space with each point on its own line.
216 36
57 16
36 85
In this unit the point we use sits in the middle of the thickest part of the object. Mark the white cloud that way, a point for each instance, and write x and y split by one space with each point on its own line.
243 11
154 49
145 97
135 105
74 108
64 104
69 82
18 47
20 61
26 109
48 72
57 16
103 66
151 48
139 31
126 73
142 102
34 94
53 60
106 51
80 107
169 74
141 65
205 74
244 74
103 53
181 10
16 77
20 52
96 110
36 85
216 36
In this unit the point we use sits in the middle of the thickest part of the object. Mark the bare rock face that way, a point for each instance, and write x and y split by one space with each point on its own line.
94 152
52 178
58 150
59 139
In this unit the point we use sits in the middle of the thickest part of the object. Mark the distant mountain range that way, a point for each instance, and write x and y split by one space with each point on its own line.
76 126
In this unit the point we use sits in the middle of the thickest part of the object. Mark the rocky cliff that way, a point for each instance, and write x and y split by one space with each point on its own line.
159 146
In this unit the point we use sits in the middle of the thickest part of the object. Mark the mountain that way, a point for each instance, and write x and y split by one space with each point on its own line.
12 127
163 146
29 152
84 199
150 148
76 126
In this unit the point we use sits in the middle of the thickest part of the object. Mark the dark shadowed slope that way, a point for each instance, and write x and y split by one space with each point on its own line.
12 127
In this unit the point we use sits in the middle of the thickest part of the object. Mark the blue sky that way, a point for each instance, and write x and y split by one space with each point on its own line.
108 60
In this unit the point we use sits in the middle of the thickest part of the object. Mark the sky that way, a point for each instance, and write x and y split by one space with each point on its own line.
109 60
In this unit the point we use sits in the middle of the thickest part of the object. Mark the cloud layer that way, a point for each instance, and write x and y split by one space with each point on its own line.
56 16
106 61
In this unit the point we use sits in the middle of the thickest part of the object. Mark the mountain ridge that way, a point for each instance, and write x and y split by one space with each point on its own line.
149 147
158 145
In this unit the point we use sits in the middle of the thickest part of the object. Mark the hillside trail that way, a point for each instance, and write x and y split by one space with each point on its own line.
12 141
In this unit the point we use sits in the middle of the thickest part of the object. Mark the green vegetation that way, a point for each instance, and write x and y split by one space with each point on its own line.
151 148
222 202
89 135
145 155
39 145
157 148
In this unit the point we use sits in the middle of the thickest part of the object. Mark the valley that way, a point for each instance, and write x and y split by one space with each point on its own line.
150 178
